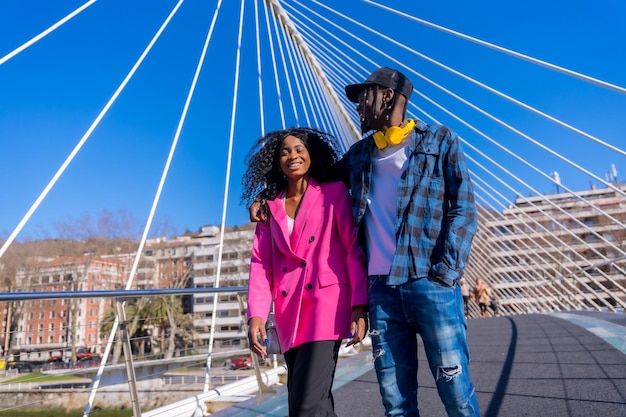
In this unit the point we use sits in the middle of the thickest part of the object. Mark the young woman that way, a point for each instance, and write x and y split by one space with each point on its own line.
304 260
482 295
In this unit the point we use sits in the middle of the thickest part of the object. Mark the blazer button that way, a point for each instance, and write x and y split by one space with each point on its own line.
284 293
308 286
311 239
303 263
284 269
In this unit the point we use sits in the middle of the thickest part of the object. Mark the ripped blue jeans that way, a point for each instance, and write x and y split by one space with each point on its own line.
435 312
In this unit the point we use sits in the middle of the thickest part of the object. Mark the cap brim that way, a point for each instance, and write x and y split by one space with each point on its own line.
353 90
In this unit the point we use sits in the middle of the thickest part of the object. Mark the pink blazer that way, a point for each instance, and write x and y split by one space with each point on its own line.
316 275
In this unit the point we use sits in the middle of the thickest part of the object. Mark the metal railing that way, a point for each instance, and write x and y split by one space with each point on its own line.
120 297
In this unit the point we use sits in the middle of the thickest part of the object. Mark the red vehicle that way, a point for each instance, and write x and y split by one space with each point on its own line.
57 362
244 362
87 361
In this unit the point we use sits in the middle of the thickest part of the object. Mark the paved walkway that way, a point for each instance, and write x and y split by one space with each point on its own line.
562 364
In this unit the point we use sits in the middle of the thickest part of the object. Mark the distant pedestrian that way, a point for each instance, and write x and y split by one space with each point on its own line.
482 295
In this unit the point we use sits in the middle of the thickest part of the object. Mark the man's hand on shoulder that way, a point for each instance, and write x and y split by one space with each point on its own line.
257 211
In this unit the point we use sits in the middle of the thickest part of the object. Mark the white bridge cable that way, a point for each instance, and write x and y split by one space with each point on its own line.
340 41
593 249
507 295
330 55
270 38
322 101
556 206
331 68
326 113
288 46
541 247
352 116
507 185
461 99
519 291
309 10
301 74
313 89
344 133
550 244
309 108
516 131
503 50
85 137
280 40
483 266
486 264
528 164
259 66
302 45
226 189
299 50
96 380
328 107
338 84
46 32
546 243
487 87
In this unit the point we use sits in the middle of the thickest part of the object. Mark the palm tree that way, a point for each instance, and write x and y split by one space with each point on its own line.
164 311
135 319
106 326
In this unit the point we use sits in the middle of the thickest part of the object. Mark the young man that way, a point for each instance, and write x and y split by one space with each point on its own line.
414 206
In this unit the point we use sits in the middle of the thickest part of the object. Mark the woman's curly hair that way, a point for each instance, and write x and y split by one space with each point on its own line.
263 178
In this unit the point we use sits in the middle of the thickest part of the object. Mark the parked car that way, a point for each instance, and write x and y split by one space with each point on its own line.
57 362
20 366
88 361
244 362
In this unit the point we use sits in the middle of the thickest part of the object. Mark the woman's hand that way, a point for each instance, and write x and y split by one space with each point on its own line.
257 336
359 325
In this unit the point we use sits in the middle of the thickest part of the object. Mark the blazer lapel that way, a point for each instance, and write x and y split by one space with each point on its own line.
308 203
280 234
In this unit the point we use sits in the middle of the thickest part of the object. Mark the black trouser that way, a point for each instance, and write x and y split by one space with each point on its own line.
310 374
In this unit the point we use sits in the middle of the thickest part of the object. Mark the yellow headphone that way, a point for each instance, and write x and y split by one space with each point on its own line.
393 135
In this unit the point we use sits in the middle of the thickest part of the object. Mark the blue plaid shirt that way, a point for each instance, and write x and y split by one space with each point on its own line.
436 215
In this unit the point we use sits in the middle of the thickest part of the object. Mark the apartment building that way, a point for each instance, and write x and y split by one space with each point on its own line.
557 252
193 261
222 310
48 328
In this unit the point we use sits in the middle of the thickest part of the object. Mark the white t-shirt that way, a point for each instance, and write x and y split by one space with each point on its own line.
290 220
380 218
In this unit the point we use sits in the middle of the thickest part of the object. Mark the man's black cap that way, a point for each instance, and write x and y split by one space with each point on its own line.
385 77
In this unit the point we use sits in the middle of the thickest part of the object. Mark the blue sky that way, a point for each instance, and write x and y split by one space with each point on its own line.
52 92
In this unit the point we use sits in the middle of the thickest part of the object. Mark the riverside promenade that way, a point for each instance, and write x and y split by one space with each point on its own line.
561 364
